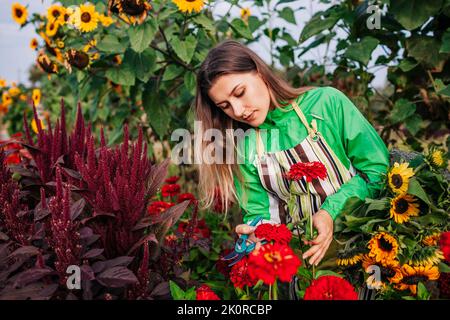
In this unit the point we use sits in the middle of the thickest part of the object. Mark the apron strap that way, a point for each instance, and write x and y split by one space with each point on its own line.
312 131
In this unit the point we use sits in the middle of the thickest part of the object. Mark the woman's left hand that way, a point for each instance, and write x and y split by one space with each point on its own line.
323 222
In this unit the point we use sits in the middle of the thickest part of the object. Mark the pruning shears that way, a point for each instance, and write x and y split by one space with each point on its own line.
243 246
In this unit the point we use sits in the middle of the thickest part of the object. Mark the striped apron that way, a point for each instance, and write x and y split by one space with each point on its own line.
272 167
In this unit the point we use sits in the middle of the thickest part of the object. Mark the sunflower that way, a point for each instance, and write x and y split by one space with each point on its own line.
2 83
6 99
86 18
426 256
106 21
412 275
117 59
78 59
23 97
60 44
189 5
437 158
390 272
34 126
349 258
398 177
383 247
245 13
403 207
51 28
46 64
34 44
56 13
432 239
19 13
14 91
92 43
36 96
135 8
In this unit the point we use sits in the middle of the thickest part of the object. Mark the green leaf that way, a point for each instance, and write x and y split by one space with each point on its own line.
184 49
408 64
445 47
321 273
176 292
443 267
190 294
413 123
158 113
426 50
362 51
321 21
110 44
142 35
288 15
413 13
205 22
441 88
241 29
172 72
377 204
141 63
422 292
402 110
123 75
190 81
415 189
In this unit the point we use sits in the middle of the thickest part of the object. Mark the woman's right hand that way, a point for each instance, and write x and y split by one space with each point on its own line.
246 229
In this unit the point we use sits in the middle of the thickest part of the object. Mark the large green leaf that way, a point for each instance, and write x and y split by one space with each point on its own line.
362 51
413 123
413 13
445 47
123 75
320 22
176 292
407 64
172 72
184 49
416 189
402 110
158 113
205 22
426 50
288 15
142 35
241 28
141 63
110 44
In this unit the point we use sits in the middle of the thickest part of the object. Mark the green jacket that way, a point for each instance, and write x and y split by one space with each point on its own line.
346 131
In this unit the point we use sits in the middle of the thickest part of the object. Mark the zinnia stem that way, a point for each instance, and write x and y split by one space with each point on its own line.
311 227
275 290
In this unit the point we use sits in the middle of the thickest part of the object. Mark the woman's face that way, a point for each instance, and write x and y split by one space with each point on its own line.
242 96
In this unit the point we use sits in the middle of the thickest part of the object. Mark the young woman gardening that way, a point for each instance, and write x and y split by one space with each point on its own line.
236 89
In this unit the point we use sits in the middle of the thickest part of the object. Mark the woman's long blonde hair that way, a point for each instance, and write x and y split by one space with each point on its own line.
229 57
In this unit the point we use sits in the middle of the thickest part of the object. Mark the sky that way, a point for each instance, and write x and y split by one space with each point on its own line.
16 56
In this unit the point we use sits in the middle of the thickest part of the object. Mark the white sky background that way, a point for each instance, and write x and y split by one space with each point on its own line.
16 56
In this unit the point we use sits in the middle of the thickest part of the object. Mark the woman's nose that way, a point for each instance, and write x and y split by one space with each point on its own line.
238 109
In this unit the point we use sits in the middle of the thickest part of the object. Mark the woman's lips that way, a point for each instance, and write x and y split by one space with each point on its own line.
251 116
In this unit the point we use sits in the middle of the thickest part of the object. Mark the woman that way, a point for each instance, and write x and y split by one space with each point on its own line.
236 89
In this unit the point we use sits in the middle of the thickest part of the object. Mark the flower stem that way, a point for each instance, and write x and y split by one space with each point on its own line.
311 227
275 291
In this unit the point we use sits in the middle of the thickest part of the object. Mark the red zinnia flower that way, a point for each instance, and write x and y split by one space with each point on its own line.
240 275
277 233
273 261
444 243
170 190
330 288
309 170
13 158
157 207
186 196
172 179
205 293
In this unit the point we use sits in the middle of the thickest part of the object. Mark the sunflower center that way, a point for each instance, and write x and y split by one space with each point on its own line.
78 59
19 13
56 13
386 273
273 257
412 280
86 17
401 206
384 245
397 180
133 7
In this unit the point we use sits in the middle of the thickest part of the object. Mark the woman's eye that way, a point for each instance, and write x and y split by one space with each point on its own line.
241 94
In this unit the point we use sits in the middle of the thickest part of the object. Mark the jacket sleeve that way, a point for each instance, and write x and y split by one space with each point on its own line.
364 148
253 199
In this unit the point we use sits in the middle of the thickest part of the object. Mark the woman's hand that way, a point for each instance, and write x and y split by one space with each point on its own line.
246 229
323 222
